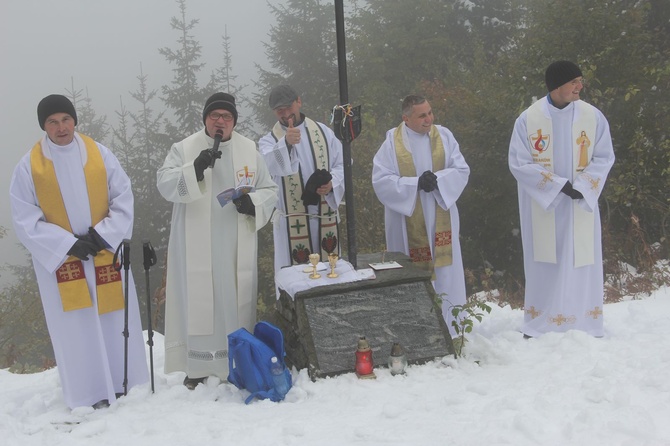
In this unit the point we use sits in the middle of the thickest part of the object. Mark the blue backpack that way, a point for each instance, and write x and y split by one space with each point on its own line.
249 360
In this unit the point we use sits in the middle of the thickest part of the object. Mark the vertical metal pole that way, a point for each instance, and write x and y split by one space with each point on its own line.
346 146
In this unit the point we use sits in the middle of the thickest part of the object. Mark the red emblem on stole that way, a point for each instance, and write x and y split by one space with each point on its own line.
420 254
70 271
106 274
443 238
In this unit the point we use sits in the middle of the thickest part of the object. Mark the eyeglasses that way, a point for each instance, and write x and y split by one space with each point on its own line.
214 116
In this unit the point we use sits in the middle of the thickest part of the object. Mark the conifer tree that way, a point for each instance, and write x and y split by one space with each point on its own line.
184 96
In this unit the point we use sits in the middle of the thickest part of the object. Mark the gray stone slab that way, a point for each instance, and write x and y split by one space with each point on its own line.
322 325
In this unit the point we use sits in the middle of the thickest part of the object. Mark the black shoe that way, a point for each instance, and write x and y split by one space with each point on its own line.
192 383
525 336
101 404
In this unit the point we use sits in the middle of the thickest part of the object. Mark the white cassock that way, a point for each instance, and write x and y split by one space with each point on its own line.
204 354
398 195
282 163
89 348
558 296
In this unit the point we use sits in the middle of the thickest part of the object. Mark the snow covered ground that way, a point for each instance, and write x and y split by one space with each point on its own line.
559 389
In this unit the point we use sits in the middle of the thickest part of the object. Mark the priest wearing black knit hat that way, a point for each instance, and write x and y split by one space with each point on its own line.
52 104
220 101
222 194
560 154
72 205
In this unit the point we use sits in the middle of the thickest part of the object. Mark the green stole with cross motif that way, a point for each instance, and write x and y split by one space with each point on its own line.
297 215
72 284
417 236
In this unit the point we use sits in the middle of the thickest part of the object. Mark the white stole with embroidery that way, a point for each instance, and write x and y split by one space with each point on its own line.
199 286
539 124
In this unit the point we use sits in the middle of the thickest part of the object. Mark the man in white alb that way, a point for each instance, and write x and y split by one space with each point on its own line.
72 205
305 160
212 272
418 174
560 154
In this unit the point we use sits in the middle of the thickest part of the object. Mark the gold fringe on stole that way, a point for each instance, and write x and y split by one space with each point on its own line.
419 248
72 284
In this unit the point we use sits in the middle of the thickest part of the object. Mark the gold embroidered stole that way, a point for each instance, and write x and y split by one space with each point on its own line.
540 137
70 276
297 225
419 245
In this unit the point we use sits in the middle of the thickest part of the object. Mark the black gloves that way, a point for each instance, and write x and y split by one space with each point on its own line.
206 158
428 181
82 248
244 205
95 238
318 179
570 192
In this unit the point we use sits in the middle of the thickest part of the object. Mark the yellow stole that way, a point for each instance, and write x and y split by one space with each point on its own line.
70 276
296 213
417 237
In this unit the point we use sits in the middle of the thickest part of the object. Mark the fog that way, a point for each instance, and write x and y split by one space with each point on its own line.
45 46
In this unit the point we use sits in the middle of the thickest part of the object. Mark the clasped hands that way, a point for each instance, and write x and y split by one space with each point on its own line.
428 181
571 192
88 244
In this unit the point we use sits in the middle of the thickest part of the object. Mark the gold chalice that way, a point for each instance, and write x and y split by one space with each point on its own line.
332 260
314 260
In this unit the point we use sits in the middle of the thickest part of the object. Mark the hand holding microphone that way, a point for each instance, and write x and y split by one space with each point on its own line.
208 157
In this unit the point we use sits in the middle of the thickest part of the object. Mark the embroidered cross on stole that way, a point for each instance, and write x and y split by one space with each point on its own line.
70 276
419 244
298 228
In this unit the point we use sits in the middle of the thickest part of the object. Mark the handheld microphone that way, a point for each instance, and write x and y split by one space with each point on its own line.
217 140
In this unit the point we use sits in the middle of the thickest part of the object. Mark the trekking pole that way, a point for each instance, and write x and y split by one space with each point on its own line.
122 255
149 261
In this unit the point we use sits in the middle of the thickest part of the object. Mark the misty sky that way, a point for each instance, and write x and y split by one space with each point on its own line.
44 44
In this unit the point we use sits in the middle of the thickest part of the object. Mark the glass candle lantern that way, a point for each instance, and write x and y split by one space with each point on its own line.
397 360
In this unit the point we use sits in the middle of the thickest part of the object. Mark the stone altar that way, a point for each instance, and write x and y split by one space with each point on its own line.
322 325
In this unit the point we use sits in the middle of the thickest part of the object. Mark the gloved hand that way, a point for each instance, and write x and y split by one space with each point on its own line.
571 192
206 159
82 248
428 181
244 205
97 239
315 181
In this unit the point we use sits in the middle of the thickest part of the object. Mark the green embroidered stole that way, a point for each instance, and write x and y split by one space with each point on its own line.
298 229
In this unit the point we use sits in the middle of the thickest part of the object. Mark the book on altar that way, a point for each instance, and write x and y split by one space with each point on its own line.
232 193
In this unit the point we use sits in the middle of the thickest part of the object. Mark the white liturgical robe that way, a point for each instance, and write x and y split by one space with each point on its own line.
398 194
282 162
89 348
561 295
212 271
